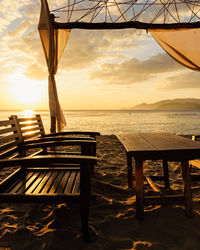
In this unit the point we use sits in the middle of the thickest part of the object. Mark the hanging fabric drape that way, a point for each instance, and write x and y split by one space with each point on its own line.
181 44
53 42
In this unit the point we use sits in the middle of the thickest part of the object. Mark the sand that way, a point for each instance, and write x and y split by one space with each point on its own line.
112 216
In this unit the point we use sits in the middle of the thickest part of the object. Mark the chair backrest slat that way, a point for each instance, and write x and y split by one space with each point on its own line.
29 128
9 139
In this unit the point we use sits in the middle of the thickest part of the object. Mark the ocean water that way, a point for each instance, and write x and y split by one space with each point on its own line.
121 121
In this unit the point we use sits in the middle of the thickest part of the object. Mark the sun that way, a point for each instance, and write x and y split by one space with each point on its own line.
25 91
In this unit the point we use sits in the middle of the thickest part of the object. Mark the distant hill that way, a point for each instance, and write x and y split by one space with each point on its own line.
173 104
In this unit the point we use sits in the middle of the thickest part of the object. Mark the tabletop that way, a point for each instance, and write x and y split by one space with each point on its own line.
167 146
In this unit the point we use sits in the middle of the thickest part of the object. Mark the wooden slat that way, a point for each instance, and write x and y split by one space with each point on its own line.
56 182
36 183
14 182
7 130
8 153
63 182
30 129
76 188
69 186
50 182
27 119
23 183
9 180
31 135
9 137
6 123
43 182
8 145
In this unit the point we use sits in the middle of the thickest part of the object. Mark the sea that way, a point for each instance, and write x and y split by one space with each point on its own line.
123 121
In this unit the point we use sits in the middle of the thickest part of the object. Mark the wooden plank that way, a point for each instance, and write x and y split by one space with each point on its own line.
14 183
135 142
27 119
36 182
9 180
9 137
6 123
57 181
50 182
76 187
8 145
43 182
63 183
8 153
7 130
69 186
23 183
27 136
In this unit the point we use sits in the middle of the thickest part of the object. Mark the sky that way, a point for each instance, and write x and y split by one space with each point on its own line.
98 70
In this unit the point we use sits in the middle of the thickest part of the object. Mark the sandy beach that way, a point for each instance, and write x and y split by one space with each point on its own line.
112 213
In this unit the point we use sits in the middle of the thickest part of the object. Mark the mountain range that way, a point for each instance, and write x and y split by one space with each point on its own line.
170 104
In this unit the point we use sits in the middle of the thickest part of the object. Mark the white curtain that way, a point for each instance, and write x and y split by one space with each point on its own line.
53 42
181 44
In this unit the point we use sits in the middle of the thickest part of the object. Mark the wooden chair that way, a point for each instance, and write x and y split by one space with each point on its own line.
32 131
44 178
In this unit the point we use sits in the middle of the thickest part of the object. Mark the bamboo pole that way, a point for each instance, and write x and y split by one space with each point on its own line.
125 25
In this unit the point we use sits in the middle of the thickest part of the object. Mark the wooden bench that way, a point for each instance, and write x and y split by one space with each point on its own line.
44 178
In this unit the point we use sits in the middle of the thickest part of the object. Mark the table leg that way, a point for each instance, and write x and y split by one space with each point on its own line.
166 174
139 189
130 170
187 187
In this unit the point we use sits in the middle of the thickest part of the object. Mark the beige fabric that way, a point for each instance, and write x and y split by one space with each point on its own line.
53 42
180 44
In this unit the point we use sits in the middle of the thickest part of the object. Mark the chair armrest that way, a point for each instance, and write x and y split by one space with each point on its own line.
60 143
46 139
92 134
49 159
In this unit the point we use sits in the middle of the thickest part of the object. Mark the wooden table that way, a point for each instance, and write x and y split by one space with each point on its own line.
159 146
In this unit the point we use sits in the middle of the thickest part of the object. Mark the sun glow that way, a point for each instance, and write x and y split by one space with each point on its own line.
24 90
27 113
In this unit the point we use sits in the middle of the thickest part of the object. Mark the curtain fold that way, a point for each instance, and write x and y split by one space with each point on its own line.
53 42
181 44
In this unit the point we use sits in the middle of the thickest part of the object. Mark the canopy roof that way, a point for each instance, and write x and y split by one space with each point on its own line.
173 23
127 13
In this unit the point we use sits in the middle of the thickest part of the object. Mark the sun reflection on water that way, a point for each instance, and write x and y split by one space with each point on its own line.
28 113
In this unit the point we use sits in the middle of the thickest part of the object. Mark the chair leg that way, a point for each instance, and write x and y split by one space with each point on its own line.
187 188
129 170
139 189
85 184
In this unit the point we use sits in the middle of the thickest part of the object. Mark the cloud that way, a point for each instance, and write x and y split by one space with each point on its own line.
85 48
189 80
36 72
133 70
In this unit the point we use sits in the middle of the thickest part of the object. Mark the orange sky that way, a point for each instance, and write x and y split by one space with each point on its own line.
98 70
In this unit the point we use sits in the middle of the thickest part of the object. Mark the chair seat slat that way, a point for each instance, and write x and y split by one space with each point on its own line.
63 182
